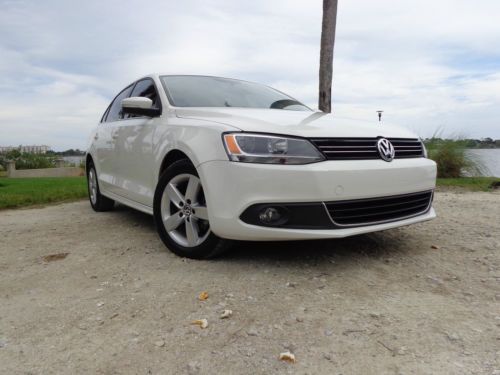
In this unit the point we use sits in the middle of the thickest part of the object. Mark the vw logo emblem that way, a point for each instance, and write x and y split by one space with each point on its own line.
385 149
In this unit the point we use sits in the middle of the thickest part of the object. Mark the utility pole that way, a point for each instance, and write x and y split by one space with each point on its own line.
328 27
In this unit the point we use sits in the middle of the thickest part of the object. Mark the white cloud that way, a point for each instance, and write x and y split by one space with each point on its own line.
426 64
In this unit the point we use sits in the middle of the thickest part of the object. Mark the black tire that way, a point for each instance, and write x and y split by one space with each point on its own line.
100 203
211 246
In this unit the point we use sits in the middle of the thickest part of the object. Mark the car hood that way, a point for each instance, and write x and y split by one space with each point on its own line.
296 123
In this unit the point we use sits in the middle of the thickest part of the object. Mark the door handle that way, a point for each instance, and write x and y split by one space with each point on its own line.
114 136
96 136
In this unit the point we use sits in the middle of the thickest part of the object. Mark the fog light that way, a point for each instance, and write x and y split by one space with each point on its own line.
269 215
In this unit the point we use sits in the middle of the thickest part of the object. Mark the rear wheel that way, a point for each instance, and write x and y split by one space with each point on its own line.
181 214
99 202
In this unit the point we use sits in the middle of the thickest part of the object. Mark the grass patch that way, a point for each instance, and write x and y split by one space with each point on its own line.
469 183
22 192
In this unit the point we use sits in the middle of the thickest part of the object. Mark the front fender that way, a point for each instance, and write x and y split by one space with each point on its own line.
201 141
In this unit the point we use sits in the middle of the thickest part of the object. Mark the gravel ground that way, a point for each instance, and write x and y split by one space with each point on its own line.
417 300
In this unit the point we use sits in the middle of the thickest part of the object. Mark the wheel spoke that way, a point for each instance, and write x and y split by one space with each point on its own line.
173 222
192 232
193 188
200 212
174 195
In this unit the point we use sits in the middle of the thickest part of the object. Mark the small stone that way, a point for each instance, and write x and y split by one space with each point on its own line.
402 351
436 247
226 314
327 356
203 296
452 336
160 343
328 332
100 304
287 357
291 284
374 315
435 280
252 332
299 319
202 323
193 368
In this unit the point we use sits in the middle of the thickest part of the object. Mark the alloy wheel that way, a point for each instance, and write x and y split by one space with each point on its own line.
184 211
93 186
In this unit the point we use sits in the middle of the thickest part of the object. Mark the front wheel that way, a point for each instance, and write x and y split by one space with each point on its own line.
181 214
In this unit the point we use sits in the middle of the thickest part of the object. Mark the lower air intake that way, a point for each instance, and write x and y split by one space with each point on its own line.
373 211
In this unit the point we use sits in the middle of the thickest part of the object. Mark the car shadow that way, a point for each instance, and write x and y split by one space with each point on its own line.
373 245
136 218
379 245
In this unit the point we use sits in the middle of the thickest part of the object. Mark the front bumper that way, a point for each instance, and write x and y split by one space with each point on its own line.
230 188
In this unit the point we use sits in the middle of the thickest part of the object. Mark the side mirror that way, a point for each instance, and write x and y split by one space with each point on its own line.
138 105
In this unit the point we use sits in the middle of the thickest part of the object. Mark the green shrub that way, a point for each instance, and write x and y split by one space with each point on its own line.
32 161
27 161
452 159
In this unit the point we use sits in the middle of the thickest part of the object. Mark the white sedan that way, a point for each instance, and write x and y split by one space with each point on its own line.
217 159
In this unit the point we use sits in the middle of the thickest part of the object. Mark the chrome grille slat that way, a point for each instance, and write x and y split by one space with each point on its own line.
378 210
421 206
349 151
365 148
382 205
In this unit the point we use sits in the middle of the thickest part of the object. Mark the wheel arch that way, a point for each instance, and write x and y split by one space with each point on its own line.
171 157
88 160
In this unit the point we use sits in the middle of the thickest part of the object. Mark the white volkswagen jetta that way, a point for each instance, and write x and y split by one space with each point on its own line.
217 159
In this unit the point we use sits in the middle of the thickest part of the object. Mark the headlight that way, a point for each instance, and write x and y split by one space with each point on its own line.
269 149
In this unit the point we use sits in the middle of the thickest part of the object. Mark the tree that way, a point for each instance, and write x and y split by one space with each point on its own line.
326 54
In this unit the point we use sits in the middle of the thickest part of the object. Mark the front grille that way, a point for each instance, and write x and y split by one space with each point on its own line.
378 210
366 148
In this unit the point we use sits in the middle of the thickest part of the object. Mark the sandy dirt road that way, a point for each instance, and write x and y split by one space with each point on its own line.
120 303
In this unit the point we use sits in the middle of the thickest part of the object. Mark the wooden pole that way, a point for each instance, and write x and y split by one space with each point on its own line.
326 54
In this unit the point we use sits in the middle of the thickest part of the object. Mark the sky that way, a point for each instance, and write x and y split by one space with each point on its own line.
431 66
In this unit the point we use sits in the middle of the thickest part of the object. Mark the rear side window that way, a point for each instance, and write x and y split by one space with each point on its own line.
115 111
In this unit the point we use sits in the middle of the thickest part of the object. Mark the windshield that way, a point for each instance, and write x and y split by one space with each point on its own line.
201 91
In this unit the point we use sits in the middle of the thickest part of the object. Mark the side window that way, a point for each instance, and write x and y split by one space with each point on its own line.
146 88
115 111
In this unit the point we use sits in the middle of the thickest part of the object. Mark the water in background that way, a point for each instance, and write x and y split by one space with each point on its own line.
76 160
490 158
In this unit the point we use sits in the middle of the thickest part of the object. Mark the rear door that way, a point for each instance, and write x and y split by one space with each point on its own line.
133 153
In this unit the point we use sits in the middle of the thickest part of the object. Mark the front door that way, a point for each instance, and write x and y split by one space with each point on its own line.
133 150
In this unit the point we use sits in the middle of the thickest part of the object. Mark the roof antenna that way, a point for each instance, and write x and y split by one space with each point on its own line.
379 115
